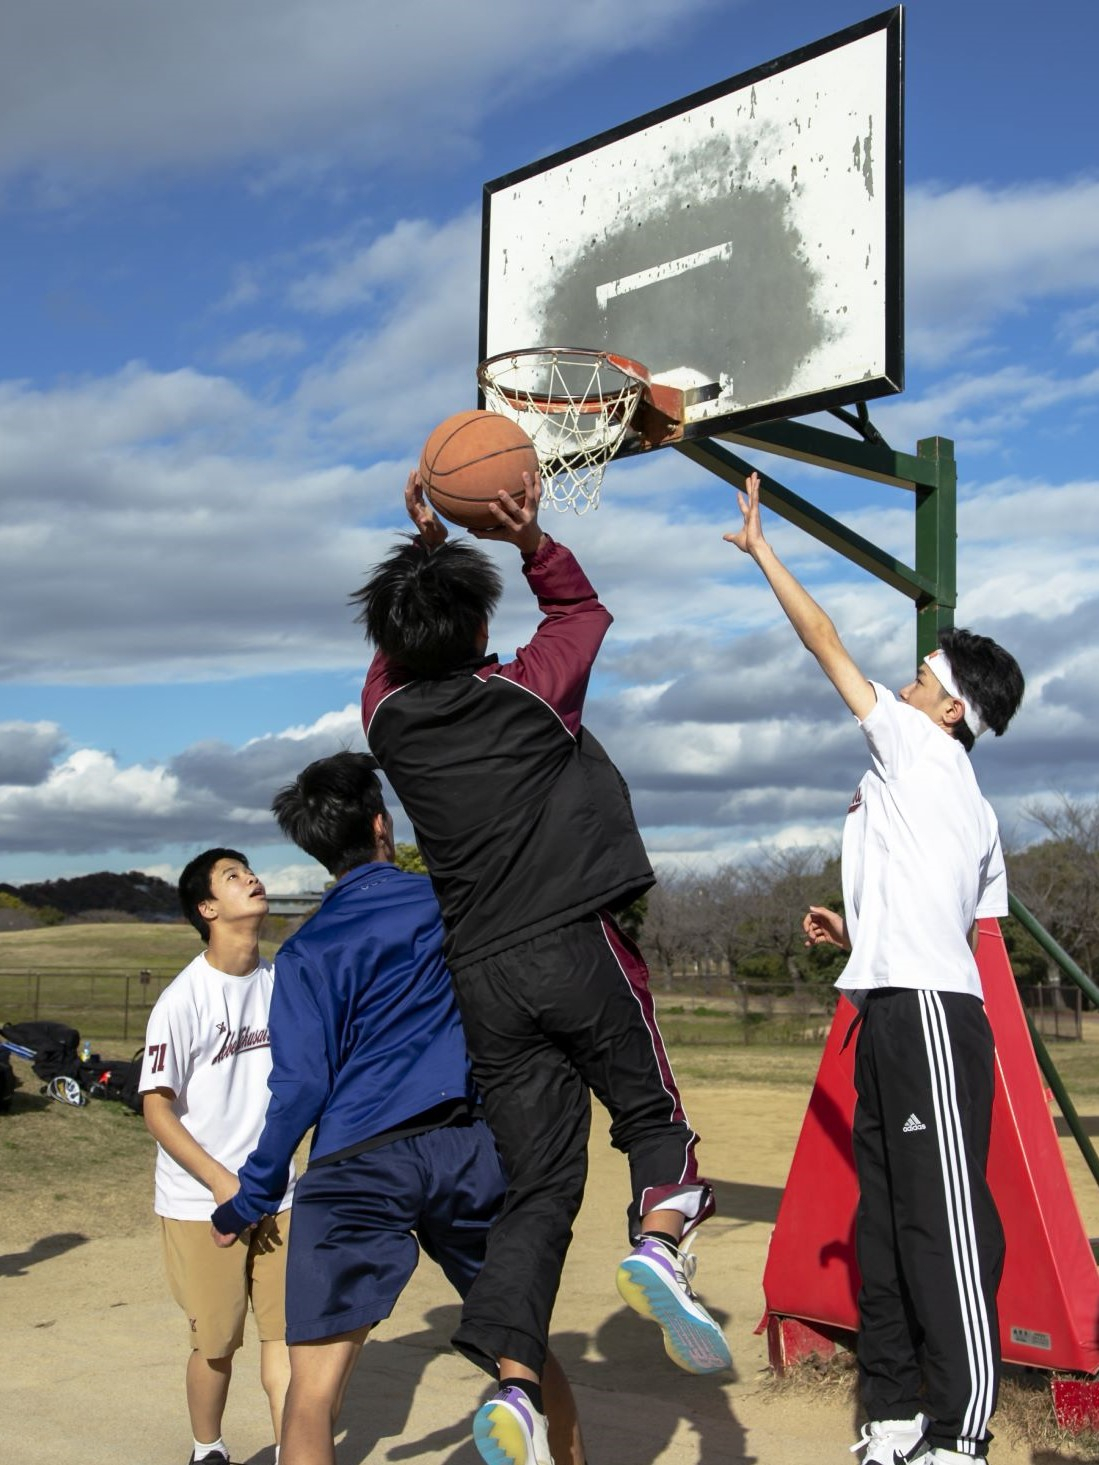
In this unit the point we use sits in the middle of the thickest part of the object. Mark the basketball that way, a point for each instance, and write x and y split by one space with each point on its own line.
468 459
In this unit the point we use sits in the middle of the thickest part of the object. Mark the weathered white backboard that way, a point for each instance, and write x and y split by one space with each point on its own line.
745 242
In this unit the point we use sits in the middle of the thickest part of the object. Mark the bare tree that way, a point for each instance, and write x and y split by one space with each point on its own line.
671 934
787 883
1058 879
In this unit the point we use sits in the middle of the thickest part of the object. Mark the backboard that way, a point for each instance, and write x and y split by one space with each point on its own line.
745 244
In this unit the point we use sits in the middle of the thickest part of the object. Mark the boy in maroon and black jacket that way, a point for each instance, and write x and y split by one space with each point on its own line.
528 834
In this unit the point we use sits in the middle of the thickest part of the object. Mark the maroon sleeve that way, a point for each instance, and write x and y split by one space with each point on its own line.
381 679
558 662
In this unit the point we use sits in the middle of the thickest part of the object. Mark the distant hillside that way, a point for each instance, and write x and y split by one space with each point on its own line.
132 894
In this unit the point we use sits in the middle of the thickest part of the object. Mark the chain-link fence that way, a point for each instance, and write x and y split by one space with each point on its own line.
692 1007
102 1004
1056 1011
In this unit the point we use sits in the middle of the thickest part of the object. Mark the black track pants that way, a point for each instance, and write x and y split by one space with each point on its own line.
930 1244
548 1023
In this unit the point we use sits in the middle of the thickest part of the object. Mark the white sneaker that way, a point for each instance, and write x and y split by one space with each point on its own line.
893 1441
508 1430
655 1281
947 1457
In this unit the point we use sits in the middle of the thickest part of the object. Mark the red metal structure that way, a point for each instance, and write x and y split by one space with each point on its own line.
1049 1296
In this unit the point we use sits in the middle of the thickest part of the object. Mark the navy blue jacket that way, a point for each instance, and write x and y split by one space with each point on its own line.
365 1032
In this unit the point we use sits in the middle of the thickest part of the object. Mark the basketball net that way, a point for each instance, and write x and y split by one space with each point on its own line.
576 407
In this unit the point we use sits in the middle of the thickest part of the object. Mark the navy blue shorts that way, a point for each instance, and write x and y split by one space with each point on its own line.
356 1224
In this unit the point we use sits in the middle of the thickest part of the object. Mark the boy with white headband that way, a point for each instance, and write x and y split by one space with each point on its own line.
921 862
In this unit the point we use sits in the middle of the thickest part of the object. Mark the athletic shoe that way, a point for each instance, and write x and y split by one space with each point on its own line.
947 1457
655 1281
894 1441
217 1458
508 1430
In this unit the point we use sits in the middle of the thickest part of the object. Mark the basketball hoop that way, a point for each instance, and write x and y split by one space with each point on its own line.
576 406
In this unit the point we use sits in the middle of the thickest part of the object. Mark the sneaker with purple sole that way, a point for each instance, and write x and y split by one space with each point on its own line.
655 1280
508 1430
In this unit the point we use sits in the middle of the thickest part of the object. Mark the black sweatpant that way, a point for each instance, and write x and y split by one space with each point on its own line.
929 1240
548 1023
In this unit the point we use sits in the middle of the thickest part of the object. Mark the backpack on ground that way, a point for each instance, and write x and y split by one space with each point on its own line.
53 1045
115 1078
7 1081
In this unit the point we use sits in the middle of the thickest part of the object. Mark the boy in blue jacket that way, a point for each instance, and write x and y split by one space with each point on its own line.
367 1046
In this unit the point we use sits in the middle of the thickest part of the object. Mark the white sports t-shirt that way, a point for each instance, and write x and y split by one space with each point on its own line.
207 1040
921 857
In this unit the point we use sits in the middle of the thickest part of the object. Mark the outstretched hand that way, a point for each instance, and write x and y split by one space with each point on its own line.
517 524
430 529
749 537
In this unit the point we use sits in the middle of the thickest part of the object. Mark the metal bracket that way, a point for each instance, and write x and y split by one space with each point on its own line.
859 421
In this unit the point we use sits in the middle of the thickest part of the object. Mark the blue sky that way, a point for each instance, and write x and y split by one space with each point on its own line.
241 269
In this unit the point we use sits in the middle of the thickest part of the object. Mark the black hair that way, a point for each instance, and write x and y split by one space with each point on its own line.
330 808
425 608
194 884
987 676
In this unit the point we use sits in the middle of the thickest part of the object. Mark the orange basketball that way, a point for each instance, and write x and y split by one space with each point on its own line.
468 459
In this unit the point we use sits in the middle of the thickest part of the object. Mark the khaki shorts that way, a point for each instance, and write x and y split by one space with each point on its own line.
215 1284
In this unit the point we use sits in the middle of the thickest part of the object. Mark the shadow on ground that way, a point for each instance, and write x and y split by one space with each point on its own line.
630 1409
740 1202
18 1263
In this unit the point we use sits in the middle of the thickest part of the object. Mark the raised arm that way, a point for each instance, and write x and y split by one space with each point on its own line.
556 664
815 629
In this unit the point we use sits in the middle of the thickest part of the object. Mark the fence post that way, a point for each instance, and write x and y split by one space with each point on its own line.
37 993
126 1009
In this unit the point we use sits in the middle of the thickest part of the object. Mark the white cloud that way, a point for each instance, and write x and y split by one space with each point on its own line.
728 738
986 410
120 411
292 879
209 793
123 86
1079 330
406 253
386 385
258 347
28 750
185 547
977 254
88 802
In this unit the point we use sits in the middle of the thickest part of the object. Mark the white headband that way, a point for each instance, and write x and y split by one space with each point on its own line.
938 664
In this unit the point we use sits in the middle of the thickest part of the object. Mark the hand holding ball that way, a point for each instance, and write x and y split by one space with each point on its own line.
468 459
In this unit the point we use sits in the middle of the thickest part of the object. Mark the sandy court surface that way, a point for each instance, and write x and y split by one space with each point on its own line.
94 1348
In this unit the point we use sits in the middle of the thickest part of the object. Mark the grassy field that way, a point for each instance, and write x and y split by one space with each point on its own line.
89 1170
100 979
81 1161
104 979
91 978
125 946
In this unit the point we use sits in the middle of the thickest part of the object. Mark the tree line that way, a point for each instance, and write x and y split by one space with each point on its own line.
742 920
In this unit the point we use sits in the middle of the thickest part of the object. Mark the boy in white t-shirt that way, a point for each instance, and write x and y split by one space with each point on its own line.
204 1078
921 862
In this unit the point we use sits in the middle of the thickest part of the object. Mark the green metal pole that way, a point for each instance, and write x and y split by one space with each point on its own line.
1051 948
937 543
1064 1103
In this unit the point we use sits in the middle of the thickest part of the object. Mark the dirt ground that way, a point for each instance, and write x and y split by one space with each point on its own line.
94 1348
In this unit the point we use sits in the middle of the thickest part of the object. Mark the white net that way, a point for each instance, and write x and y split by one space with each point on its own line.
575 406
